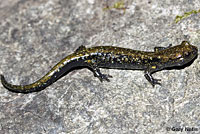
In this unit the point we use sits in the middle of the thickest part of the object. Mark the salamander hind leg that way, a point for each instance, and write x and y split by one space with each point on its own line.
149 77
157 49
99 75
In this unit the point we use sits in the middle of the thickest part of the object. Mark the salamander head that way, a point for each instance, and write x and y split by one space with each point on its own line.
185 53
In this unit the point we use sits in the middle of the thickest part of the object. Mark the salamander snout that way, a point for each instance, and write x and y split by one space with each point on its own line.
186 53
189 49
189 53
194 50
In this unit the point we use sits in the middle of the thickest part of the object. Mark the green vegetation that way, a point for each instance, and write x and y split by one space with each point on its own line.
120 5
186 14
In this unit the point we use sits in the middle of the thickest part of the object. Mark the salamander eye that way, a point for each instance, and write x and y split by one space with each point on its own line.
186 43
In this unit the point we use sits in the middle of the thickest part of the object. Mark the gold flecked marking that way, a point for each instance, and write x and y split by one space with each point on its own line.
88 61
142 57
153 67
126 59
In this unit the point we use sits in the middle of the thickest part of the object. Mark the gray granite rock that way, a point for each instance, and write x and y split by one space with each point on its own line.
35 35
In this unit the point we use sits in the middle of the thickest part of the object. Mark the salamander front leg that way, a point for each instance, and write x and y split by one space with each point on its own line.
149 77
98 74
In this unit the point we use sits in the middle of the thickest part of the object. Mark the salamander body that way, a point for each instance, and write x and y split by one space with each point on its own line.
98 57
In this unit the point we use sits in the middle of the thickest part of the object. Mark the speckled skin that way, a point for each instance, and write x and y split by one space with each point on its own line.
113 57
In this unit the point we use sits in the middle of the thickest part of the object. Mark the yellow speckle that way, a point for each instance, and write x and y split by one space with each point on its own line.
80 55
88 61
142 57
153 67
126 59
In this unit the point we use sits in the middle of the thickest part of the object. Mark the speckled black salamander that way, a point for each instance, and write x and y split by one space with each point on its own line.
113 57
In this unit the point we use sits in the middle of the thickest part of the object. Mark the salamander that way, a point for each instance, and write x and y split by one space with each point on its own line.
112 57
